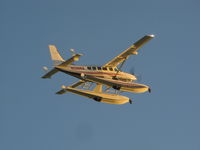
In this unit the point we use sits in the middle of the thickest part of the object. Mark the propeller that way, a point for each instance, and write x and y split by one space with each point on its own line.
132 71
119 69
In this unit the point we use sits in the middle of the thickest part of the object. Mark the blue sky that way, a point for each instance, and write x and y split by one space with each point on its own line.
33 117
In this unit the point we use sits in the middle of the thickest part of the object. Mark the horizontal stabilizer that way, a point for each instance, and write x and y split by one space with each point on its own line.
71 60
63 64
63 91
50 73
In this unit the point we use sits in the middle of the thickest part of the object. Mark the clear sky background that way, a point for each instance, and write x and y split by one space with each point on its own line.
33 117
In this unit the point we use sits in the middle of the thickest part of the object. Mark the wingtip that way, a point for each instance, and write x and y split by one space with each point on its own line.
152 35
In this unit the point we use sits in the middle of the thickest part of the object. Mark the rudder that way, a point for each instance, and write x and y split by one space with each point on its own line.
55 56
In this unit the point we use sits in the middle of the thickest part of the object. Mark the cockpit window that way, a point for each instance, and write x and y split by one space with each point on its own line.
94 68
116 69
111 69
89 68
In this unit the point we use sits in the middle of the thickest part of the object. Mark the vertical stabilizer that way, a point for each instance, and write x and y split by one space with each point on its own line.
55 56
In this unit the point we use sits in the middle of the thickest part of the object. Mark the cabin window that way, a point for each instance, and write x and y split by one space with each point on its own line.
104 68
99 68
116 69
94 68
111 69
89 68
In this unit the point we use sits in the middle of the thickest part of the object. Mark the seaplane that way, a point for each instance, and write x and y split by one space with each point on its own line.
109 79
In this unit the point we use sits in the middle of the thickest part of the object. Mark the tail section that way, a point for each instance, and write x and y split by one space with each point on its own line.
59 62
55 56
50 73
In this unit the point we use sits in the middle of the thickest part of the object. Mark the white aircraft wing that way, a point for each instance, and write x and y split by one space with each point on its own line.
132 50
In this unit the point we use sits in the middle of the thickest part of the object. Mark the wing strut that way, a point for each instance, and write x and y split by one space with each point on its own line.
119 69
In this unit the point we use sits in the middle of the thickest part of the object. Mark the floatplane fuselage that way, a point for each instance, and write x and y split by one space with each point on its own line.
109 75
101 72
